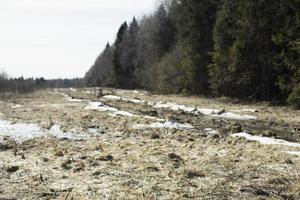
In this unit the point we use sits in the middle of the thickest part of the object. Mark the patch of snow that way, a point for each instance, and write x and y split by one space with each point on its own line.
112 97
230 115
73 89
20 132
209 112
154 118
56 132
295 153
122 113
92 130
165 125
137 101
100 107
174 107
245 110
211 131
13 106
266 140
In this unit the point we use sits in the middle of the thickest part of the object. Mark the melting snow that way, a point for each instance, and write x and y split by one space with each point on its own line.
266 140
15 105
122 113
211 131
295 153
167 124
99 106
137 101
209 112
246 110
112 97
21 132
230 115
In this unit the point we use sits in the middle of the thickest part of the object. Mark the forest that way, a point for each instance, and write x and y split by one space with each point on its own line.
235 48
23 85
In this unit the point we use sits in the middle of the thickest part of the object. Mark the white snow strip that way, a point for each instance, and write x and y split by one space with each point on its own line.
174 107
100 107
122 113
73 89
165 125
211 131
154 118
295 153
209 112
245 110
112 97
266 140
230 115
13 106
137 101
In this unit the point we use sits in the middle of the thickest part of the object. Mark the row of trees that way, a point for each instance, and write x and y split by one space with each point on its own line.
248 49
21 85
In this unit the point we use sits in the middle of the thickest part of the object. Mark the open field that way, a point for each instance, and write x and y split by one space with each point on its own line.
119 144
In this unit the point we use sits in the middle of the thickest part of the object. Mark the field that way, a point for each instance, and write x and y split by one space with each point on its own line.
97 143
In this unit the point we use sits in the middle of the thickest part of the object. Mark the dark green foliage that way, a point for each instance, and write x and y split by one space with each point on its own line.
195 23
117 55
128 57
240 48
287 60
242 60
168 75
294 98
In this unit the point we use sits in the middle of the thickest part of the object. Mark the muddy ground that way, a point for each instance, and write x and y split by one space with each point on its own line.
125 146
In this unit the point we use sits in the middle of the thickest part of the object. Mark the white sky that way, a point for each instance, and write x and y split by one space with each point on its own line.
60 38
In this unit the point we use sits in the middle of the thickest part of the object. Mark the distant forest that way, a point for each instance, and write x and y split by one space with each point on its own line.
22 85
247 49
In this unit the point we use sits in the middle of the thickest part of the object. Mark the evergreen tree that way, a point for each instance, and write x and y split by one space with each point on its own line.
118 52
244 50
195 23
129 56
287 60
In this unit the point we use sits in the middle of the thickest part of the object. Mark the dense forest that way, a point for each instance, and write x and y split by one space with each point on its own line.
247 49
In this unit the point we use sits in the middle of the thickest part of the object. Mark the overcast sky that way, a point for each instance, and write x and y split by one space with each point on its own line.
60 38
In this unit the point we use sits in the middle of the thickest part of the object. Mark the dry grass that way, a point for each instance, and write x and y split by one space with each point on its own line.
122 163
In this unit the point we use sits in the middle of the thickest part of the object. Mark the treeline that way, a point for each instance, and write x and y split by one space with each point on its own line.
238 48
22 85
